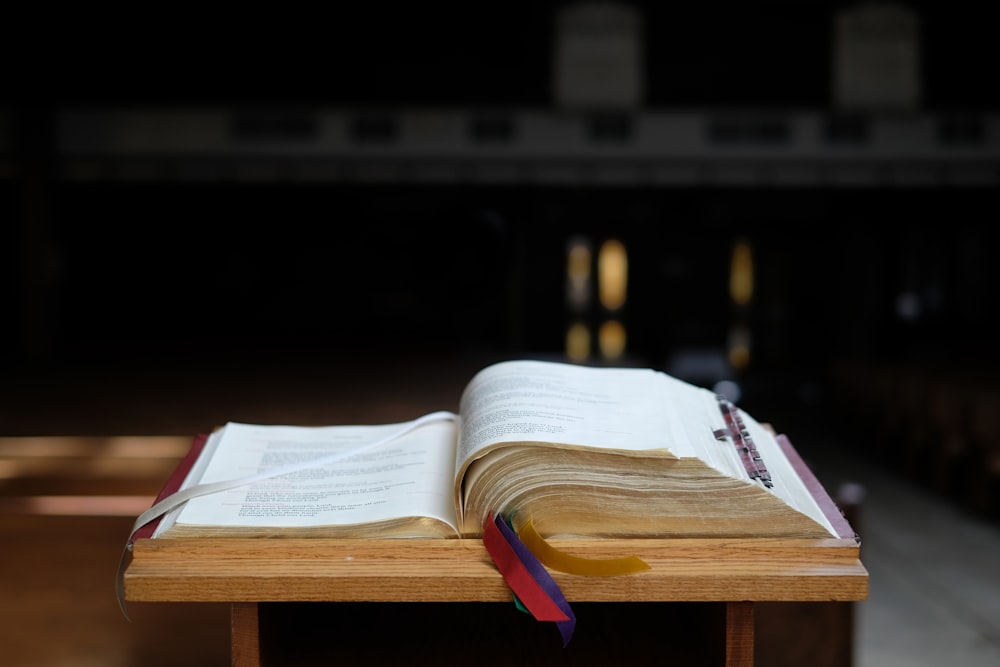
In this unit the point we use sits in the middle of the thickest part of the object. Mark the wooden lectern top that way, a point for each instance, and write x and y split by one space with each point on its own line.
461 570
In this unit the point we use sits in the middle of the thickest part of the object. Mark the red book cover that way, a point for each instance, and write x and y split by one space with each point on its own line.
174 483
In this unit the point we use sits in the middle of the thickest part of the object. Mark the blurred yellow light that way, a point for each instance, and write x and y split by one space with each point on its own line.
739 348
578 342
612 274
741 274
611 339
578 263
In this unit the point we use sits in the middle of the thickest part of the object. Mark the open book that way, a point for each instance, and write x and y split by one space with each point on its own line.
580 451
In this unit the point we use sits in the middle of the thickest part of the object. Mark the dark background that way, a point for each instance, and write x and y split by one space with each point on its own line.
773 53
110 272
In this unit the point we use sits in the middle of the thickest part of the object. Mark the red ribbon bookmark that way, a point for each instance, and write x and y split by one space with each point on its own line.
527 577
516 574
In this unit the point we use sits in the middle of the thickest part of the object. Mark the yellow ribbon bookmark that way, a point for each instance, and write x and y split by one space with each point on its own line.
564 562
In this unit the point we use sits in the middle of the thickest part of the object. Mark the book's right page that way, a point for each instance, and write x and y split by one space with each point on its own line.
561 403
620 451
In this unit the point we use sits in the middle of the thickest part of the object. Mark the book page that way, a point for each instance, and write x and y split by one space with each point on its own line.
513 401
407 476
788 485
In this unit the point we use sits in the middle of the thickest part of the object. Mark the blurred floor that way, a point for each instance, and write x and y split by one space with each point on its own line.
935 586
58 606
934 575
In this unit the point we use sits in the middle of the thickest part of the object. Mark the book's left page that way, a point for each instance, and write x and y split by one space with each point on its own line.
401 488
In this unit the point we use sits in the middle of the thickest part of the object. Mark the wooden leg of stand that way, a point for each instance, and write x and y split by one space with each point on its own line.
739 634
245 635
